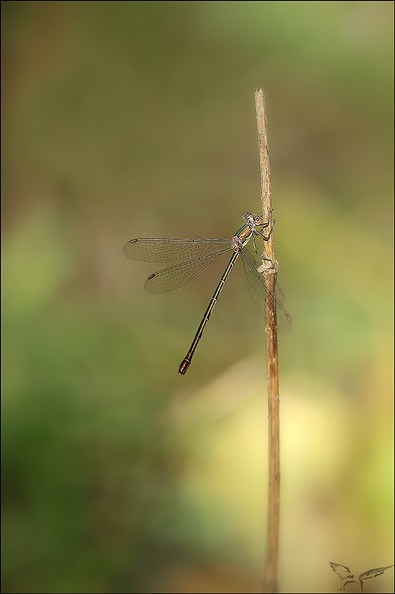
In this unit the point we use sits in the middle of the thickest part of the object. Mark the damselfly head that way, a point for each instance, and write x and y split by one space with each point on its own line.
247 216
251 219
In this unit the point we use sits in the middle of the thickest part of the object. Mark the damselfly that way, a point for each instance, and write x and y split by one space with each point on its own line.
194 256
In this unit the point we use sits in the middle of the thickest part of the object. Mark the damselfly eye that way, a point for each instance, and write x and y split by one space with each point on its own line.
248 217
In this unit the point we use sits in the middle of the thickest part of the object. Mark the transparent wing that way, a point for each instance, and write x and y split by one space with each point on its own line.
179 275
341 570
260 293
171 250
371 573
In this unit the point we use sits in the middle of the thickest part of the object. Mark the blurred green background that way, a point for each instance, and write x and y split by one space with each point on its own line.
137 119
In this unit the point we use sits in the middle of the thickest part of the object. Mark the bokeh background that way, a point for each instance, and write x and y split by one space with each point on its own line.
137 119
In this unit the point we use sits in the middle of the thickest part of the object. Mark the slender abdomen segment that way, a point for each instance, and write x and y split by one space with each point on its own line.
184 365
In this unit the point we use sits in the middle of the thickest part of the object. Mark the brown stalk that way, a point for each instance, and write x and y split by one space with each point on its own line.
271 560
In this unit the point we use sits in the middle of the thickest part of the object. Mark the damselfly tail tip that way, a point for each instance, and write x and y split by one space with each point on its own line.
183 367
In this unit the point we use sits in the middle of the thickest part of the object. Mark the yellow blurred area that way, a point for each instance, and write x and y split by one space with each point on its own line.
137 119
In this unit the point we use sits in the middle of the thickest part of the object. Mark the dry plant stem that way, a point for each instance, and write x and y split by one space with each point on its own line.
271 561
